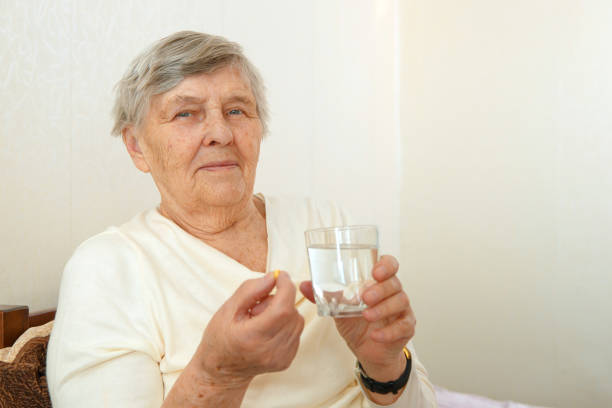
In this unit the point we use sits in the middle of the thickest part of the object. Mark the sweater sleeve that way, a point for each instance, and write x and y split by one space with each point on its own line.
104 350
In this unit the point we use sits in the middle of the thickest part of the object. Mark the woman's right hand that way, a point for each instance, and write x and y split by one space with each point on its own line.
252 333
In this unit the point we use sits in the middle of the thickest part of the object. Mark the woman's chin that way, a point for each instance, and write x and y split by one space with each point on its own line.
226 196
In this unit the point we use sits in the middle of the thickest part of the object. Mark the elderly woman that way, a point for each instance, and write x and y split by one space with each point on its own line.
175 308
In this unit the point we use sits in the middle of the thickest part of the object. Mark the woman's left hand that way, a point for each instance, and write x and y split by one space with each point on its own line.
377 338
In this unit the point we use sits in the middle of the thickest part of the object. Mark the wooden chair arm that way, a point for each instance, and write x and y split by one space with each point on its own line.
14 320
42 317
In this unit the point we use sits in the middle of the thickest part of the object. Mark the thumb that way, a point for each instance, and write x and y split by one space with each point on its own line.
251 292
307 291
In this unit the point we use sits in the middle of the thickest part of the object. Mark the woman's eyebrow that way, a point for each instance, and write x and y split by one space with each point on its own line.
245 99
183 99
178 100
167 109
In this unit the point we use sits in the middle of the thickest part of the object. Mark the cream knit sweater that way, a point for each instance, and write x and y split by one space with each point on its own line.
134 302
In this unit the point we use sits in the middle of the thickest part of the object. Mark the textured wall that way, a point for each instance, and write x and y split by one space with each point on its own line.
329 67
507 192
505 146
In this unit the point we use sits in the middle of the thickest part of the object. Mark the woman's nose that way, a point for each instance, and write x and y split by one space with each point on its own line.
217 131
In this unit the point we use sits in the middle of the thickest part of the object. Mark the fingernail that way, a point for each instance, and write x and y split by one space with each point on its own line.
381 270
269 277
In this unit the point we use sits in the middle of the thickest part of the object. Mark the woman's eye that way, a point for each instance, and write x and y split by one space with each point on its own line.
235 112
184 115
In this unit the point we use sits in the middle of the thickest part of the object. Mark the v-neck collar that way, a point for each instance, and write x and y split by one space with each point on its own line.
270 212
217 252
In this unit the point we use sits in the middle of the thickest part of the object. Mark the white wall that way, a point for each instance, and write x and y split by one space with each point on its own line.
506 180
507 195
330 71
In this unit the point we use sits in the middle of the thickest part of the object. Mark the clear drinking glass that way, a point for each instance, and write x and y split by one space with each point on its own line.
341 261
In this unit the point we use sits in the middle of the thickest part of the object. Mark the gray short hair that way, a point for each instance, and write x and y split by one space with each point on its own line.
170 60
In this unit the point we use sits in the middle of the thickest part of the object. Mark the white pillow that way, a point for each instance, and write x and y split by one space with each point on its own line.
8 354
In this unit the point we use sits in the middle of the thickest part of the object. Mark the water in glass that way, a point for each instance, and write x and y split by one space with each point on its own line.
340 273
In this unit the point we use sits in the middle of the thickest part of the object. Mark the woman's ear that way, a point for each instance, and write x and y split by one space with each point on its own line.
133 147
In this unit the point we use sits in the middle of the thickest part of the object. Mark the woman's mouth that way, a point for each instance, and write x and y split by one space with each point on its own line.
219 166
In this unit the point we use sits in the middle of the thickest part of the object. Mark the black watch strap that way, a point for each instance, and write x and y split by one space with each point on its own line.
389 386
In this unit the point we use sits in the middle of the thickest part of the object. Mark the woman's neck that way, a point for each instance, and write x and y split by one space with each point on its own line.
215 223
239 231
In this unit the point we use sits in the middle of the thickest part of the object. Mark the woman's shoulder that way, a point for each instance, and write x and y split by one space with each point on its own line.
109 252
103 258
116 239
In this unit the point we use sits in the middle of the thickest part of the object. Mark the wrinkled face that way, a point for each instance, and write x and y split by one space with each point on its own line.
200 141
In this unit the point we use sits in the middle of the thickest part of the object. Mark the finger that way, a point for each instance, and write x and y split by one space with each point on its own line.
285 290
251 291
400 330
381 291
307 291
386 267
288 342
392 306
281 310
261 306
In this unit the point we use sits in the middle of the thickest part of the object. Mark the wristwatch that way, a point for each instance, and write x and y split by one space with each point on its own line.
389 386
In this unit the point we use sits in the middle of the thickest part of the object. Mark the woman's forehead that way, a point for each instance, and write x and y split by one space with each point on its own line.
224 82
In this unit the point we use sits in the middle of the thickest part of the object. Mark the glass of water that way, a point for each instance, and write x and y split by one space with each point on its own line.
341 261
